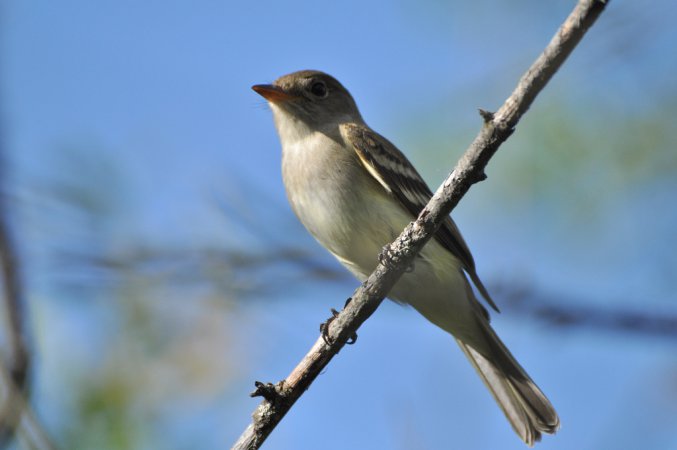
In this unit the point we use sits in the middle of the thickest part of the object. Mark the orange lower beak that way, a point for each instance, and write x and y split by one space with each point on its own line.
272 93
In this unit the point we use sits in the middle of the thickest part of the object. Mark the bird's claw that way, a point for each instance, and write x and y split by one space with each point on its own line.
385 257
324 328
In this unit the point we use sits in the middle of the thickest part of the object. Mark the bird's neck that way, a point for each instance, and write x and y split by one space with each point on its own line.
291 130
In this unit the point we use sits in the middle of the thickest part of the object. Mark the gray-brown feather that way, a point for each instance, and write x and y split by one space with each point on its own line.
410 190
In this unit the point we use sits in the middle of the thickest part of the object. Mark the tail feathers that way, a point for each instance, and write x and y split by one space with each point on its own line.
526 407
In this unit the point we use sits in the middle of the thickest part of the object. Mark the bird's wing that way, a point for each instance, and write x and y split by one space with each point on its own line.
399 177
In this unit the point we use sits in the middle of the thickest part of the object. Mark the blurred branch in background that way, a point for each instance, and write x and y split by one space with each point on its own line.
515 298
555 309
237 272
25 425
17 358
241 273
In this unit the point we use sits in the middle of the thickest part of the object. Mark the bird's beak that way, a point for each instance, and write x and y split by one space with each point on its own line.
272 93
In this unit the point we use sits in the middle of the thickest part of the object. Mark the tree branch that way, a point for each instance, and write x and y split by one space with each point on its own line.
279 398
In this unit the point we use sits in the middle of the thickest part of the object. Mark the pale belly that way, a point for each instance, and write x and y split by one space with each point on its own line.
342 206
353 217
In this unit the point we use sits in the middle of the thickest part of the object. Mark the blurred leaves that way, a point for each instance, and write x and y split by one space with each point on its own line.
158 321
576 162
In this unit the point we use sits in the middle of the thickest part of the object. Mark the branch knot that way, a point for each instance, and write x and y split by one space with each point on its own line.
269 391
488 116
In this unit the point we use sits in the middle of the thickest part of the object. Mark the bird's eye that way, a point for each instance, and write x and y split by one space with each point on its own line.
319 89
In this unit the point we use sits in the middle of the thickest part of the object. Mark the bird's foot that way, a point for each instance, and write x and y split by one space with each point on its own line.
324 327
385 257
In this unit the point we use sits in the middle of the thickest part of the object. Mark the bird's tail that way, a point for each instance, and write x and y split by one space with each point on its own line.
529 411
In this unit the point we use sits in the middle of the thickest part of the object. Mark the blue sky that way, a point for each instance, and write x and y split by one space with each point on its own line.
149 104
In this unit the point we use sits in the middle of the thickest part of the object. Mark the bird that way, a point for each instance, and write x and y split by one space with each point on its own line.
354 192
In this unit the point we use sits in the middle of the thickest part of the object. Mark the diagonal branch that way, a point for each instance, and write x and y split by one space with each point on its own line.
279 398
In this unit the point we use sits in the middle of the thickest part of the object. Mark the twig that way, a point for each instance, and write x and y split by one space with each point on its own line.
397 256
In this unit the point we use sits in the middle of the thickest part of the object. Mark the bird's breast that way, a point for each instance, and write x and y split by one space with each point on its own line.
339 203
